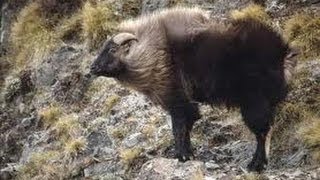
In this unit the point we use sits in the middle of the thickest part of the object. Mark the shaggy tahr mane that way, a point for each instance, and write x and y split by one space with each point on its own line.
150 67
178 57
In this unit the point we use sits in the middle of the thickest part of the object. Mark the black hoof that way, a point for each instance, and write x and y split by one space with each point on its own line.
257 166
185 157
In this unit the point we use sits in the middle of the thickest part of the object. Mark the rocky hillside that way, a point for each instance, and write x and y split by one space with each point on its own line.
57 123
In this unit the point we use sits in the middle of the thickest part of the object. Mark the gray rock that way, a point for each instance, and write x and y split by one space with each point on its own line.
133 140
70 88
26 122
99 145
61 62
101 169
211 165
165 169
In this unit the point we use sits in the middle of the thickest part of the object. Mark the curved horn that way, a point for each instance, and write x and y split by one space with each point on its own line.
123 38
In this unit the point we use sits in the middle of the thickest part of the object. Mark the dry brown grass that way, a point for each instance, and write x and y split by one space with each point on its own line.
30 38
70 28
129 155
252 11
303 30
109 103
310 135
50 115
99 21
75 146
40 166
66 125
131 8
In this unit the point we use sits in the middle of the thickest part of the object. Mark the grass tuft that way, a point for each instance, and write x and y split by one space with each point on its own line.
303 30
310 135
30 37
99 21
129 155
39 165
252 11
54 10
119 133
74 146
131 8
50 115
65 125
110 103
70 28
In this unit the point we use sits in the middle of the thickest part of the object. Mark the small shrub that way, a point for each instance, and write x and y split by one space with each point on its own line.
303 30
252 11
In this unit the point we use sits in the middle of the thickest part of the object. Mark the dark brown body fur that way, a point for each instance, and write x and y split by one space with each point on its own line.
177 60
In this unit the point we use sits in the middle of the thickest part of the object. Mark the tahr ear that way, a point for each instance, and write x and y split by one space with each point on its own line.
123 38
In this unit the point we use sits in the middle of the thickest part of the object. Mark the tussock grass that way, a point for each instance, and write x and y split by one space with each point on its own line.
70 28
41 166
310 134
148 130
253 11
119 133
99 21
30 38
303 30
75 146
129 155
110 103
131 8
50 115
66 125
55 10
